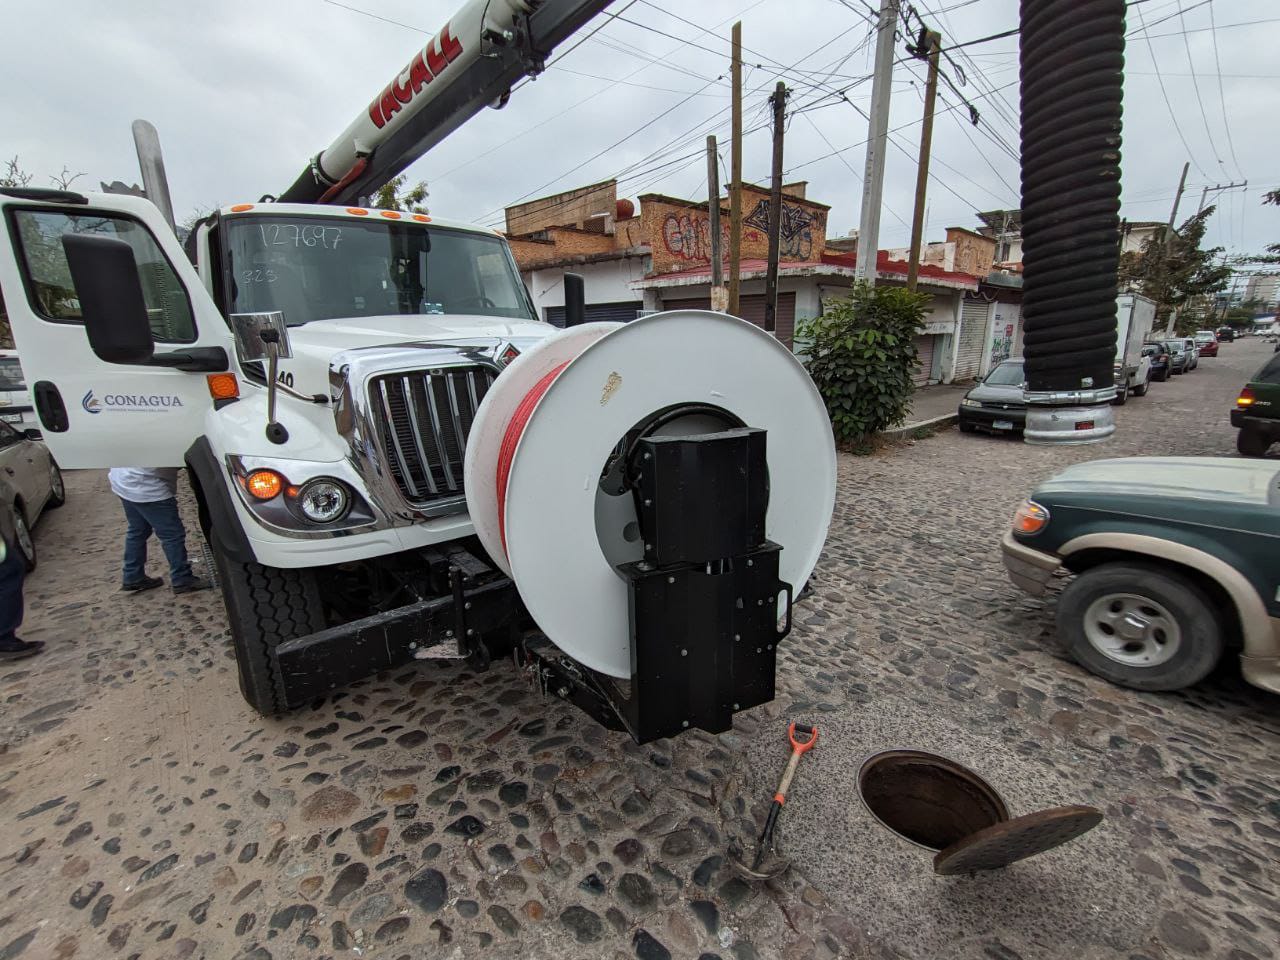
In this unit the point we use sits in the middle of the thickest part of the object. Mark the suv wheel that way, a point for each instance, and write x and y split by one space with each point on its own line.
1252 442
1145 627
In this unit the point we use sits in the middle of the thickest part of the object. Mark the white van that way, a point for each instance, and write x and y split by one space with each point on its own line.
15 399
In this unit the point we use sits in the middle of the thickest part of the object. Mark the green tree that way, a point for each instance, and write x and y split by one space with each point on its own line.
861 354
392 195
1270 198
1173 275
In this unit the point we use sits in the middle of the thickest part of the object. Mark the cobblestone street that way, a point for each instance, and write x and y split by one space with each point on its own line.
147 812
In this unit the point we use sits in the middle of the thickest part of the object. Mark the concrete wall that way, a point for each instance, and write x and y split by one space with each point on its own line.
556 244
606 282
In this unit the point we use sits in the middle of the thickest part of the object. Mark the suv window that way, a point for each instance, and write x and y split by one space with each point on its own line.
1270 372
52 292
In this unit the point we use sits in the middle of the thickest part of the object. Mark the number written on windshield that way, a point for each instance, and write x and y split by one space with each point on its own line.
300 235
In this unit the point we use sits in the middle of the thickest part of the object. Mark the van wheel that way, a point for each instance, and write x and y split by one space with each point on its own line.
265 607
1142 390
1252 443
1144 627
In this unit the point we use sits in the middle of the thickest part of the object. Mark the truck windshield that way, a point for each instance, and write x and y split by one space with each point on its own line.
323 268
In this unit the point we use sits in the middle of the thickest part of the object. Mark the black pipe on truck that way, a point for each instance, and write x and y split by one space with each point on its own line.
1072 70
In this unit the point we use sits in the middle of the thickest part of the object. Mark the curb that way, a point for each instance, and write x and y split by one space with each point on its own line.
936 422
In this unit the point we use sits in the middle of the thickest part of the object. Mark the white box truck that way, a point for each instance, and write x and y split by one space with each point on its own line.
1135 315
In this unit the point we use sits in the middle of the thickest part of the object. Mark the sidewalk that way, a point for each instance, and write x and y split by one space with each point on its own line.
933 406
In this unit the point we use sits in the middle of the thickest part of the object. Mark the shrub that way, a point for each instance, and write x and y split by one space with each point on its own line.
861 354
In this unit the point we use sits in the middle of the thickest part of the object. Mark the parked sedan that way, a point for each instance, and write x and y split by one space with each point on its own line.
996 403
1207 343
30 483
1159 355
1193 352
1174 560
1179 355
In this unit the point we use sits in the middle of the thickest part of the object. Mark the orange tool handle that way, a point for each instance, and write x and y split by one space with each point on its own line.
802 746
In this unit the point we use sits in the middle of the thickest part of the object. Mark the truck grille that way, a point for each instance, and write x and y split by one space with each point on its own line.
425 417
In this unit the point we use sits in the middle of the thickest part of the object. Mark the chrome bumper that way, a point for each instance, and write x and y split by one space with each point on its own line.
1029 569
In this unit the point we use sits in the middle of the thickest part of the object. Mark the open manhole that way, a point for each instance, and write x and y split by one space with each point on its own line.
938 804
929 800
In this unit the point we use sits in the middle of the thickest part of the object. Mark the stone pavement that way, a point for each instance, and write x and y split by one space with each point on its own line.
146 812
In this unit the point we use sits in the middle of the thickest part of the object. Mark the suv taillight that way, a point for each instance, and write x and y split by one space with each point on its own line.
1245 399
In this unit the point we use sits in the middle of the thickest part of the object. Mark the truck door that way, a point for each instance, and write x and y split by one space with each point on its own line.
95 413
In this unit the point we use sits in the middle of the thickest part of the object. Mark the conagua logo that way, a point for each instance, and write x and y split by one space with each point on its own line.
130 402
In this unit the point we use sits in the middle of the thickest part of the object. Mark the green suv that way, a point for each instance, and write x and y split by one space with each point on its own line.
1176 559
1257 411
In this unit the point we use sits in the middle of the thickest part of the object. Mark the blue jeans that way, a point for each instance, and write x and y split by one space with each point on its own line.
159 517
12 570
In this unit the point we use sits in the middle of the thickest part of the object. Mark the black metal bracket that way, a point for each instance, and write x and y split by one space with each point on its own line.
705 603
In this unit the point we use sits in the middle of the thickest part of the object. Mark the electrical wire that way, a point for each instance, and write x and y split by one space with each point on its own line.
1222 97
1165 93
1195 82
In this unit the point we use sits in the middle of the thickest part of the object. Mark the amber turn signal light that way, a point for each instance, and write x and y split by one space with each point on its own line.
223 386
1030 517
1245 399
264 484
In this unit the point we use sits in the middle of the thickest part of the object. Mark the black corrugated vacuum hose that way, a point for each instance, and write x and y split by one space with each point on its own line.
1072 64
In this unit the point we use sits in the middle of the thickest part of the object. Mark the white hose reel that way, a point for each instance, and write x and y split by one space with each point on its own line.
557 534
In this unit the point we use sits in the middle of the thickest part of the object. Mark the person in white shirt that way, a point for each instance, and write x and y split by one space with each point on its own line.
150 499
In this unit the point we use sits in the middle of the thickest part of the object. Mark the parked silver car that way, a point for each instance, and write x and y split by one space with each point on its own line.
30 483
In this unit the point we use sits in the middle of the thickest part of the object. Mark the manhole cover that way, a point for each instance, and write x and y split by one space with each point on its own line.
1005 843
930 800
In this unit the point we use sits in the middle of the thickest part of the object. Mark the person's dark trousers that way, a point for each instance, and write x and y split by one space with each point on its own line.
160 517
12 570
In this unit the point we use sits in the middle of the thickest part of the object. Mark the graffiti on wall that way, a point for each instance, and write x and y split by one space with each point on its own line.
689 237
796 229
1001 343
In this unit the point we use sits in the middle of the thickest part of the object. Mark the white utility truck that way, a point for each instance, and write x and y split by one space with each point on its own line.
319 366
1135 315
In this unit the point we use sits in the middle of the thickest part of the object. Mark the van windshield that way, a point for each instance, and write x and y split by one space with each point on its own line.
324 268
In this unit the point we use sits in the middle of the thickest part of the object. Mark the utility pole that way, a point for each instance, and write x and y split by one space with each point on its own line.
877 144
735 174
779 101
719 298
930 47
1217 188
1168 236
1177 198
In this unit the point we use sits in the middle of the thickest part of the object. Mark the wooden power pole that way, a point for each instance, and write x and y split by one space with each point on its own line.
931 47
779 101
1177 199
718 295
735 173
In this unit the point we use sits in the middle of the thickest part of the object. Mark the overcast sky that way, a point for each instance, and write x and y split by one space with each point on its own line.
243 92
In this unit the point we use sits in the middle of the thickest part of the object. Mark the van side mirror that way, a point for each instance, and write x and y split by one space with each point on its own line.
109 289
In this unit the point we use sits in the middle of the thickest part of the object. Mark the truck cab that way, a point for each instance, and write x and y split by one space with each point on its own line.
395 325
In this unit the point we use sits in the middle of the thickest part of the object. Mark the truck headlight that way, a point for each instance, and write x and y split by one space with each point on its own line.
323 500
1030 518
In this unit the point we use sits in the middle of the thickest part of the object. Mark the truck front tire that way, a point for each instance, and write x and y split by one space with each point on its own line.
265 607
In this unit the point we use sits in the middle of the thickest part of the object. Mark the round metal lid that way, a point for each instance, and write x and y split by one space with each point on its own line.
661 361
1012 840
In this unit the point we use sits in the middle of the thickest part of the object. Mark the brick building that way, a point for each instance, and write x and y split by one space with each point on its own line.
658 257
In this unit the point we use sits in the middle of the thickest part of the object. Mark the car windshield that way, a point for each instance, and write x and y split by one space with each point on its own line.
323 268
11 374
1008 374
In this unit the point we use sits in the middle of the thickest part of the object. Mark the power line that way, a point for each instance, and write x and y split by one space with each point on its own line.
1195 82
1165 93
1222 97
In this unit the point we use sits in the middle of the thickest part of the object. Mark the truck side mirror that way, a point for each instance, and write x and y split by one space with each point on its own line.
109 289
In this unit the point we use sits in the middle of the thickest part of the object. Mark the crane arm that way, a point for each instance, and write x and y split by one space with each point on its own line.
471 63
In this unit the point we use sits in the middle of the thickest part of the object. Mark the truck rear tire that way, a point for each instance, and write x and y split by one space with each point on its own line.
265 607
1252 443
1142 390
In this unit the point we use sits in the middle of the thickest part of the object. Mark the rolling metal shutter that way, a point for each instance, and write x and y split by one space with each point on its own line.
600 312
751 309
924 347
974 317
